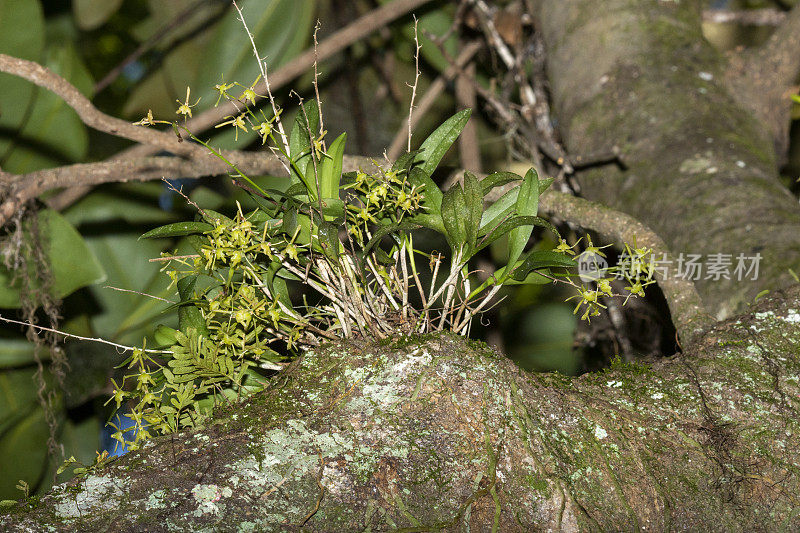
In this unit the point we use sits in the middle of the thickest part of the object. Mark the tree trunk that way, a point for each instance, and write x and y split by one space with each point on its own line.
442 434
701 170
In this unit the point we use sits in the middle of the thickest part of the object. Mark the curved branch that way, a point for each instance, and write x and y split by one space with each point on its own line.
90 115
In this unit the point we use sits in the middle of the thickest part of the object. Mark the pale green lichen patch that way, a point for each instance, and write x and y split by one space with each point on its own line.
98 493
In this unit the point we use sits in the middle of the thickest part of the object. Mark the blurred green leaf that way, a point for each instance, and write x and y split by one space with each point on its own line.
30 433
280 28
16 94
52 133
72 264
89 14
14 353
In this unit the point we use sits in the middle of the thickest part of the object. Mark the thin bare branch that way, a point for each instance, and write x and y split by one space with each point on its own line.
433 92
79 337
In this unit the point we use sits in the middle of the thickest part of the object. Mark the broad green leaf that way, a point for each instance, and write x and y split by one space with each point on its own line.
72 264
14 353
52 134
328 238
405 161
281 29
17 394
30 434
213 217
305 128
429 217
436 145
16 94
473 208
461 214
527 205
90 14
178 229
504 205
453 215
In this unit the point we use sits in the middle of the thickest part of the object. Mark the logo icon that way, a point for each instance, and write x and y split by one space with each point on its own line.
591 266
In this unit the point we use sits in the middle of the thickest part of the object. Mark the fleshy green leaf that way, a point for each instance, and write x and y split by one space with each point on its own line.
498 179
527 205
539 259
332 168
511 224
430 216
16 94
306 128
328 237
436 145
178 229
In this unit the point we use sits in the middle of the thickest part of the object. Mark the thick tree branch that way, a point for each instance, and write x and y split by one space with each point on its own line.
24 187
700 170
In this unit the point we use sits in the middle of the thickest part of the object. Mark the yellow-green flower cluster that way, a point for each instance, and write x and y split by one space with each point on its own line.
383 196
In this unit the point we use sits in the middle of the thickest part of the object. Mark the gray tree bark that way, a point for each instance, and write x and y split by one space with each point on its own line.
442 434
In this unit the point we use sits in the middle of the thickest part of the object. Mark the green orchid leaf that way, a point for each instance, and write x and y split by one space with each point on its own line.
539 259
306 128
527 205
331 168
328 238
434 147
498 179
406 161
215 218
453 216
507 226
178 229
473 204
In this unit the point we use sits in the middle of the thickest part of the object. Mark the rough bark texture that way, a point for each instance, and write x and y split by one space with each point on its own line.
701 170
443 434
